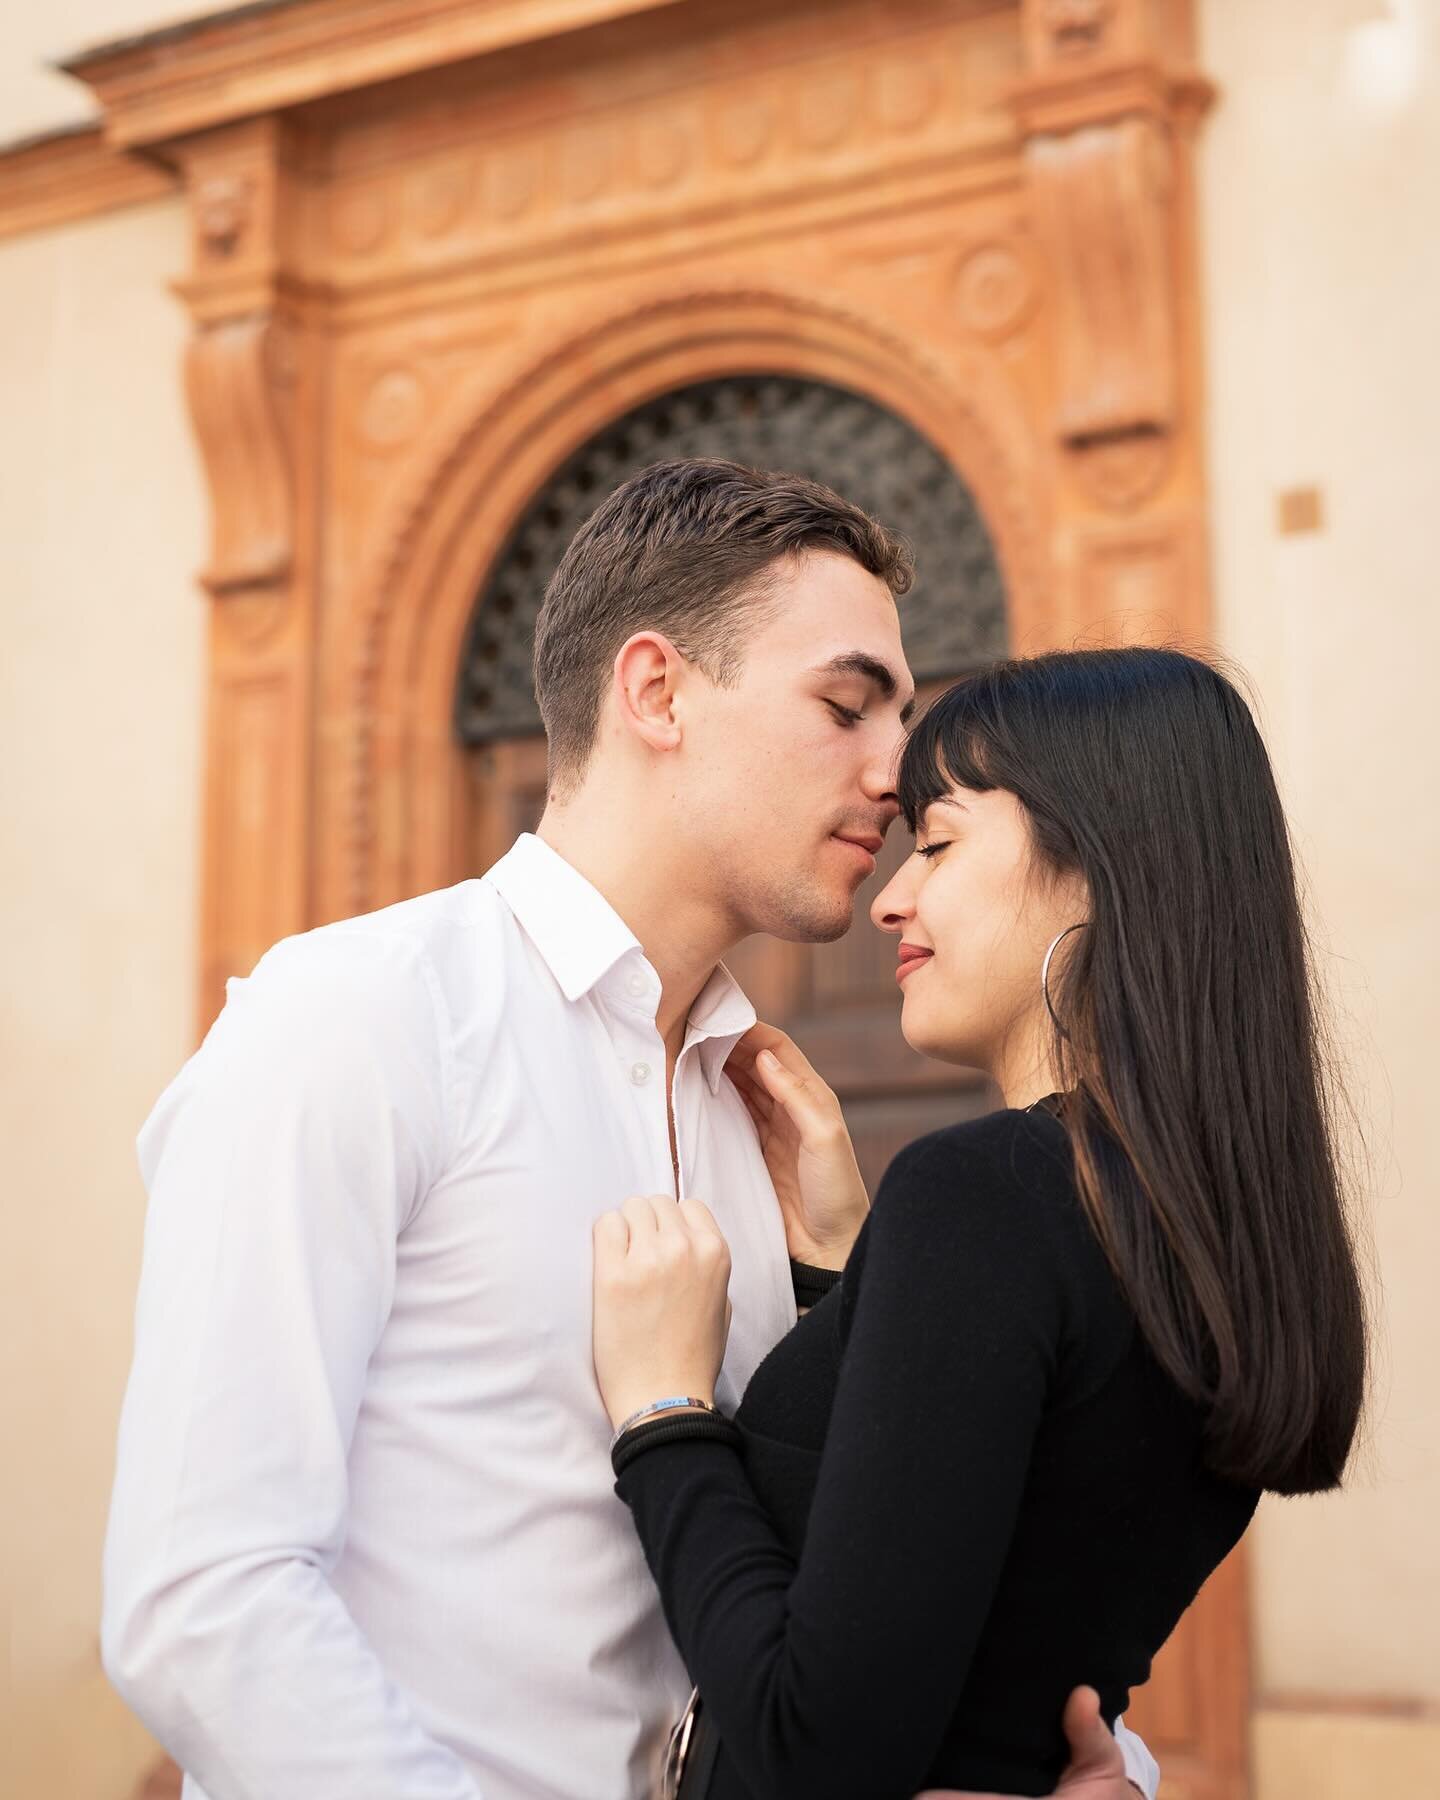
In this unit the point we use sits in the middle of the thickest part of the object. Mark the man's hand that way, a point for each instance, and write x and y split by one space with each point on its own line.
1096 1770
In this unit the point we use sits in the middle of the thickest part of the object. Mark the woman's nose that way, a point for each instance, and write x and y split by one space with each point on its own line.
894 904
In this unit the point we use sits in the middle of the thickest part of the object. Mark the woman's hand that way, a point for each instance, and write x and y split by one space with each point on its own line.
662 1313
806 1146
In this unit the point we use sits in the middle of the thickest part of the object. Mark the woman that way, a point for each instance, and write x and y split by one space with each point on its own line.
1077 1338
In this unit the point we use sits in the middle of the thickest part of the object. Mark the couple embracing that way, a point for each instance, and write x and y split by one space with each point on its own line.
528 1402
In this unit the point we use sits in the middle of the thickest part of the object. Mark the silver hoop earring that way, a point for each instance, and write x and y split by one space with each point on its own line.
1045 974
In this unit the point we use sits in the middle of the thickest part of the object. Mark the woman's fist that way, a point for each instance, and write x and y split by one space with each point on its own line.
662 1312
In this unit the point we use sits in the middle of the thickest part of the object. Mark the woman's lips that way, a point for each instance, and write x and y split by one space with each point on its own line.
911 957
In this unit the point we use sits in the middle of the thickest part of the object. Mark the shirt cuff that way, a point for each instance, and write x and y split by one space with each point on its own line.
1140 1766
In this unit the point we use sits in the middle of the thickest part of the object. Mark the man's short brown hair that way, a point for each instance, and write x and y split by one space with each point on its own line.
683 548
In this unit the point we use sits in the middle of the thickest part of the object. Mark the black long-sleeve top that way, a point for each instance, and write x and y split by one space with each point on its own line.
964 1487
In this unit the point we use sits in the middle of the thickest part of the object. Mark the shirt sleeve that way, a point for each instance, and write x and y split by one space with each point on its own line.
281 1164
839 1675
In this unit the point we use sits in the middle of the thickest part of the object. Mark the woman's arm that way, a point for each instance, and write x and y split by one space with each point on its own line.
839 1676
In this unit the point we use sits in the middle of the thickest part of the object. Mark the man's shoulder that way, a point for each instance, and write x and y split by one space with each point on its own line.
438 950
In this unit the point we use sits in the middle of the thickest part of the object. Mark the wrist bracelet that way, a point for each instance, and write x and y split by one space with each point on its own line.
672 1428
669 1404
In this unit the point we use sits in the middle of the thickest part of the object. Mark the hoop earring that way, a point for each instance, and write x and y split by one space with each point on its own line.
1045 974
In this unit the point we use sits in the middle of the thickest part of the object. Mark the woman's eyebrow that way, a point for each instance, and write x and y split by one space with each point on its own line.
869 668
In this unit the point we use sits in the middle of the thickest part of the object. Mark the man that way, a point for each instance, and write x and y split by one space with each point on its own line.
364 1543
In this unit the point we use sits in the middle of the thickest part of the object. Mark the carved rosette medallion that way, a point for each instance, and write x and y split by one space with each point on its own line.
392 409
993 291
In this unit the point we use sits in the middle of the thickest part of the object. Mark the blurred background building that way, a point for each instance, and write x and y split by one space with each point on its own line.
1125 310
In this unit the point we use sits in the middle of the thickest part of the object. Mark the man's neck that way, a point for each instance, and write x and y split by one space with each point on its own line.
683 938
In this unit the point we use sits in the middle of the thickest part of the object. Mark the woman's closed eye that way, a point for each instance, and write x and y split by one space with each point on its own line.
929 850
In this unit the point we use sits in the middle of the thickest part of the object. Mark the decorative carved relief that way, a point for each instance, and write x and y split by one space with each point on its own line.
361 219
657 150
1120 473
237 372
953 617
827 107
906 93
743 129
223 208
1076 27
391 409
1101 204
439 198
993 290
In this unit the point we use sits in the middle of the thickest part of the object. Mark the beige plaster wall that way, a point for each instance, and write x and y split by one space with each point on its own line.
101 645
1321 171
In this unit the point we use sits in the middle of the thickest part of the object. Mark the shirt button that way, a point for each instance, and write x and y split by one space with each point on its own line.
639 1073
637 985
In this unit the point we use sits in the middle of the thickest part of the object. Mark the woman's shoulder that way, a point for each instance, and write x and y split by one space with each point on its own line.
994 1194
999 1157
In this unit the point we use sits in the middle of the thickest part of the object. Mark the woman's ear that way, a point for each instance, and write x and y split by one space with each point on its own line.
648 675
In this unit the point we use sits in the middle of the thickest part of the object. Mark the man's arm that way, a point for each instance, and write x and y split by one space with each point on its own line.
281 1163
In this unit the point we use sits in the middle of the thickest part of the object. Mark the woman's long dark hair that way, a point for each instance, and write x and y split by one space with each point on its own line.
1189 1043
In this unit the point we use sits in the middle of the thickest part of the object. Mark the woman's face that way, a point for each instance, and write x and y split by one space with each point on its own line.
975 910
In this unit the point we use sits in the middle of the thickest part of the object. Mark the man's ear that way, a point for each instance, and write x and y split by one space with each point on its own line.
648 676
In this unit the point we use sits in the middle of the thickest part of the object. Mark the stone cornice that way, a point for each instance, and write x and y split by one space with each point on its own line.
277 54
70 175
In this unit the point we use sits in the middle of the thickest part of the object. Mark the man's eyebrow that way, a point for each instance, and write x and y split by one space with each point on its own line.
869 668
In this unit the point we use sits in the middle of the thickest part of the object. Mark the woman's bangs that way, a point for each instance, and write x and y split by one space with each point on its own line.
944 751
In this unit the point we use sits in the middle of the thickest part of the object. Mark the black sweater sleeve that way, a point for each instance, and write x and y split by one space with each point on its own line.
838 1675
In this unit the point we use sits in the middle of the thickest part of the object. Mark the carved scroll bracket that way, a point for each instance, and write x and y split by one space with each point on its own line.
251 382
1103 113
240 376
243 366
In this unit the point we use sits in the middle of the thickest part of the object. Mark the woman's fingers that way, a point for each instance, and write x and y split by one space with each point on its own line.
701 1221
761 1037
809 1103
754 1096
640 1215
611 1235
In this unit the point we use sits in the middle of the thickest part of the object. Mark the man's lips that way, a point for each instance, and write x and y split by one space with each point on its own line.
911 957
867 844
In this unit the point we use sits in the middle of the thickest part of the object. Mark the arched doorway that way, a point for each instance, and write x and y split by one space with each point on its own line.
839 1000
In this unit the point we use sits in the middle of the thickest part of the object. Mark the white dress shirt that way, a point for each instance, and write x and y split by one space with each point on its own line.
364 1543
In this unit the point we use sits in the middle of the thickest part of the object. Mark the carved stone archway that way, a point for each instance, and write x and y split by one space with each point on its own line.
400 815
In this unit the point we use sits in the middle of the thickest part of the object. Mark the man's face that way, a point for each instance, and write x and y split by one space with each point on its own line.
789 775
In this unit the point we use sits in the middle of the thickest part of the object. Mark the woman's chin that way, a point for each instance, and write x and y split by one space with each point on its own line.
930 1040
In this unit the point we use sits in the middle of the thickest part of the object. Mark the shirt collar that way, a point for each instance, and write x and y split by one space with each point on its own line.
720 1017
573 926
581 938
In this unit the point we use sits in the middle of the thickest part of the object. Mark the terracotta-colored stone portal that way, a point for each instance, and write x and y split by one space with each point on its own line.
438 249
